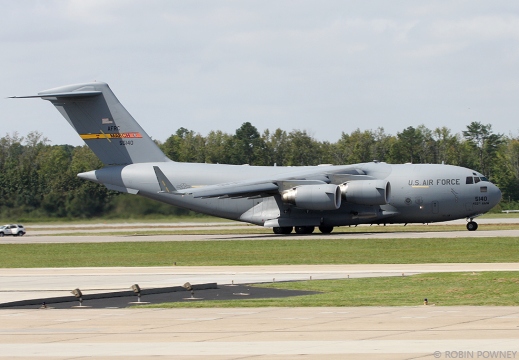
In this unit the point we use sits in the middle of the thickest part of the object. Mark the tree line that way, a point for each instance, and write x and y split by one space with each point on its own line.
38 180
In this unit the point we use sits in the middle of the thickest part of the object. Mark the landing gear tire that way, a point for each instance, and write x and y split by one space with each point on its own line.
472 226
325 229
284 230
304 229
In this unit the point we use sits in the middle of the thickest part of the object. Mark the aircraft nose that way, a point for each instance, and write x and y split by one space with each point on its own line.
494 195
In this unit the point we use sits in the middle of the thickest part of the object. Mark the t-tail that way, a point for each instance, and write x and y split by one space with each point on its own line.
103 123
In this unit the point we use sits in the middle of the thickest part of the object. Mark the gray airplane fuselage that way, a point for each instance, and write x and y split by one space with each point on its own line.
420 193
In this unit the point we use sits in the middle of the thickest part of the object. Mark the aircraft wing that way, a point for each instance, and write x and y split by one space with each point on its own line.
236 189
232 190
254 188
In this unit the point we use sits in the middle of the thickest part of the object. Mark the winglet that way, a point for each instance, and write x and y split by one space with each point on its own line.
164 183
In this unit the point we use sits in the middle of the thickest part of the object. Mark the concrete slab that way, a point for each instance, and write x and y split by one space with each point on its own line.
266 333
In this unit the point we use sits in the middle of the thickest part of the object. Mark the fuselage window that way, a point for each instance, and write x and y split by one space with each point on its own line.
476 180
469 180
484 178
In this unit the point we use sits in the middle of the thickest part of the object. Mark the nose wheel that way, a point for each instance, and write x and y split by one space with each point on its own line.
472 225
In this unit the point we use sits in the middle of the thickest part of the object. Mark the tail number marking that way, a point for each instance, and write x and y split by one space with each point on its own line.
480 200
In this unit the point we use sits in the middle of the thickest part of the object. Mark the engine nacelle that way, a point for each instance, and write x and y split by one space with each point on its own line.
366 192
314 197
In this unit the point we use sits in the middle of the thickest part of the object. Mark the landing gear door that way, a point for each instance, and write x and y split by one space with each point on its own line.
435 207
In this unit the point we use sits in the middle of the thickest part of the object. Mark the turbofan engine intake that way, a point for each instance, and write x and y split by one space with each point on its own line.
314 197
366 192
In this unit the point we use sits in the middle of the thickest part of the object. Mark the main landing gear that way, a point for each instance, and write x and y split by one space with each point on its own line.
285 230
472 225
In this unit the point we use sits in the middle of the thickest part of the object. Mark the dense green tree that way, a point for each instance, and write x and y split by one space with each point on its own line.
185 146
356 147
303 149
247 146
217 147
382 144
485 143
277 147
506 164
409 147
446 146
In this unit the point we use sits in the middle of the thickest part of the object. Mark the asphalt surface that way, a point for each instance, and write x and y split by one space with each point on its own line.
126 299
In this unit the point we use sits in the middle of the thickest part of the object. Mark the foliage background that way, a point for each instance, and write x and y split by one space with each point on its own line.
38 180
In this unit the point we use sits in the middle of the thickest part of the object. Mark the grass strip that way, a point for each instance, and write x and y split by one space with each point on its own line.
261 252
443 289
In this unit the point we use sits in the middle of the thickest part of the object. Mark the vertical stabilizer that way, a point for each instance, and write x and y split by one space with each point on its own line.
104 124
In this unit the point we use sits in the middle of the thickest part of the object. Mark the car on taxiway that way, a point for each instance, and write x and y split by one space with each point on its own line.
12 229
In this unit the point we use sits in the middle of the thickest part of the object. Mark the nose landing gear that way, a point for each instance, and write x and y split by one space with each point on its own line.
472 225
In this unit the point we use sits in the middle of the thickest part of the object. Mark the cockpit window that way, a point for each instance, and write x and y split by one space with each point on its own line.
475 179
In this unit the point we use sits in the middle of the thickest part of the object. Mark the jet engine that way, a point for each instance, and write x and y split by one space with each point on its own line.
314 197
366 192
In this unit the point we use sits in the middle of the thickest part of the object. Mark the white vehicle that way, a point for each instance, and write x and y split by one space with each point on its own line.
12 229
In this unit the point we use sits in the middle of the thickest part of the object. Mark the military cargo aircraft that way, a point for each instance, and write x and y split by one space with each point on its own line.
282 198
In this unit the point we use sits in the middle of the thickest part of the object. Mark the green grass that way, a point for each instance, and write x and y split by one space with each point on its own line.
444 289
261 252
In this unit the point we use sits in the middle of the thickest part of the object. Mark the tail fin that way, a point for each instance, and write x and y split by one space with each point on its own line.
104 124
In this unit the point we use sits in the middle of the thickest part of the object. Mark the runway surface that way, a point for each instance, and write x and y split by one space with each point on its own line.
135 232
427 332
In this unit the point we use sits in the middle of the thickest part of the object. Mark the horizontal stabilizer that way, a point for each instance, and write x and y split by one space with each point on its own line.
60 95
